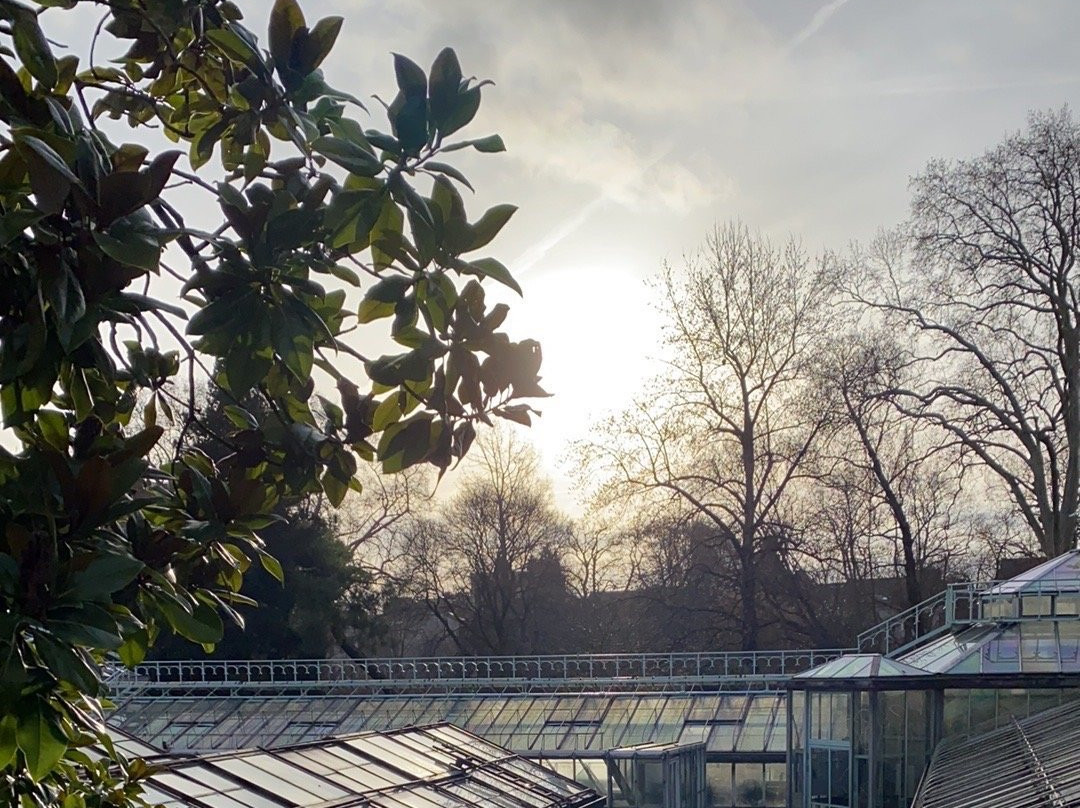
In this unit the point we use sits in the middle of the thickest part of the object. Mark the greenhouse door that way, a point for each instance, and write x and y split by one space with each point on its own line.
830 774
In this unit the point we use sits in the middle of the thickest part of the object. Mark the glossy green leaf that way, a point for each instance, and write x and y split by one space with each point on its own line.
202 625
233 45
40 739
103 576
49 155
464 110
272 566
240 417
491 143
130 246
493 220
450 171
32 47
54 429
8 744
66 663
334 488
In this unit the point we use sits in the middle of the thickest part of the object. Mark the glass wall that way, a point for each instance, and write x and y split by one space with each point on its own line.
673 779
861 748
980 710
746 785
829 747
906 744
646 777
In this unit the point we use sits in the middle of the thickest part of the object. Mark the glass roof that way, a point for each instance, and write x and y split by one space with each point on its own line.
733 723
1062 568
430 767
1035 761
861 666
1031 647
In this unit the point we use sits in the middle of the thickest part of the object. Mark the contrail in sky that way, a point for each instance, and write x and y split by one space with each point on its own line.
821 16
531 256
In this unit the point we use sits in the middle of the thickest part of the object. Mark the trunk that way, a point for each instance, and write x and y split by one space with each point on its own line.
1065 538
748 605
907 536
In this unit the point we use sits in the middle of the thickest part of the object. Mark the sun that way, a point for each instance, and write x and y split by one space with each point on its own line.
600 337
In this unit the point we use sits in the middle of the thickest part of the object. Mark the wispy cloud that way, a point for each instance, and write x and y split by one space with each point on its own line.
535 253
821 16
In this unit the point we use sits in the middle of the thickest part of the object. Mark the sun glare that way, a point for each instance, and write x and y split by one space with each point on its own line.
600 337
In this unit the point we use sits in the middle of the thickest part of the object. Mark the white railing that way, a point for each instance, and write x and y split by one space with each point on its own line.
314 673
974 602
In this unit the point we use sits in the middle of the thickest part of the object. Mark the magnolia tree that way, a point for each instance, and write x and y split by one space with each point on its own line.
108 537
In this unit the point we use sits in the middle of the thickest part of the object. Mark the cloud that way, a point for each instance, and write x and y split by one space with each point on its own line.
536 252
821 16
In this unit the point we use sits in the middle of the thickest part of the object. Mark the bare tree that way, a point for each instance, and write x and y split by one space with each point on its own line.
374 523
985 275
891 492
732 424
488 565
597 555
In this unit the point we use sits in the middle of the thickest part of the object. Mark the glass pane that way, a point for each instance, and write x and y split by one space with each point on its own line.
839 773
798 718
722 738
718 785
840 725
819 776
775 785
749 784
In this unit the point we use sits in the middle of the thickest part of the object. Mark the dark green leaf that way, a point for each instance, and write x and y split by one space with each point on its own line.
334 488
320 40
234 46
491 143
33 48
348 155
444 85
450 171
240 417
286 19
66 663
53 426
410 76
490 268
219 313
406 443
464 110
130 246
47 153
104 575
394 370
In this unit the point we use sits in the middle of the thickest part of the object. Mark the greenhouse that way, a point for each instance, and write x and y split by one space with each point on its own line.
864 727
832 728
428 767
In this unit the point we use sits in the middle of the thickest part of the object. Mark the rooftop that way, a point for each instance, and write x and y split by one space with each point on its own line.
424 767
1029 763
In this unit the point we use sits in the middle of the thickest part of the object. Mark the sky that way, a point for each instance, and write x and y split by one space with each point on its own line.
634 126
